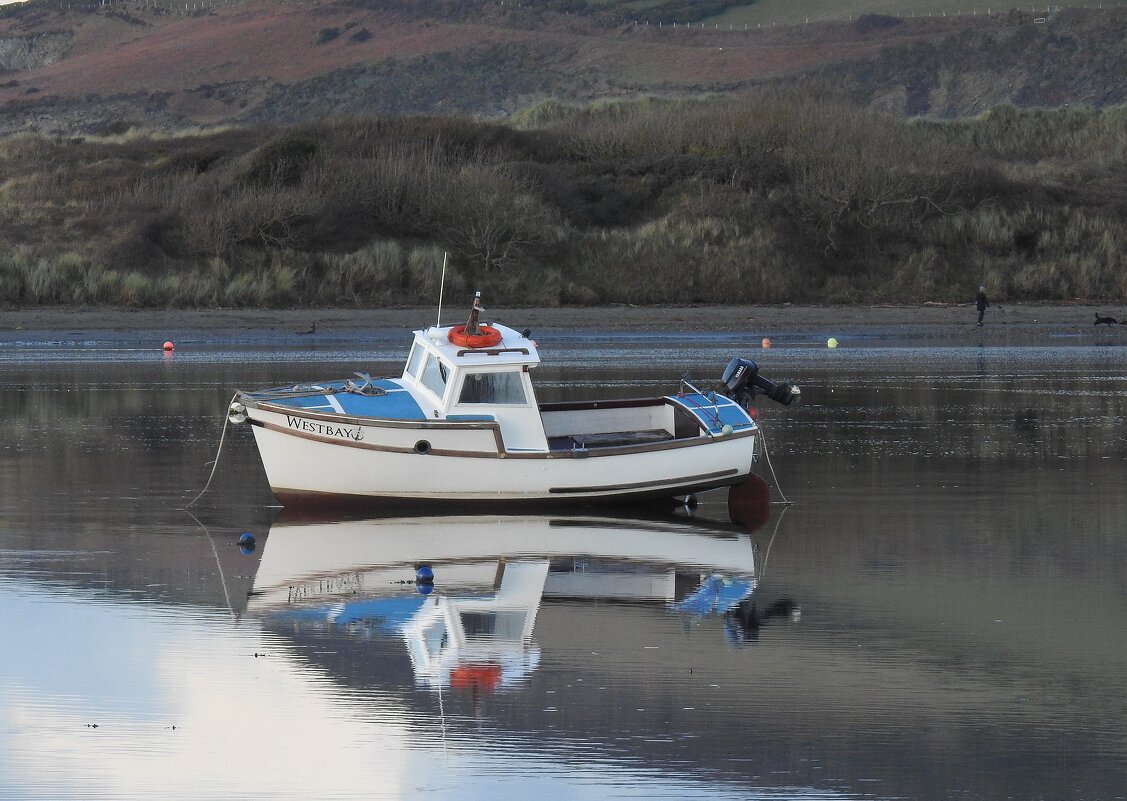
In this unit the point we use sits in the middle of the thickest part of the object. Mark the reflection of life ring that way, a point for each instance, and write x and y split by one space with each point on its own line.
486 337
473 676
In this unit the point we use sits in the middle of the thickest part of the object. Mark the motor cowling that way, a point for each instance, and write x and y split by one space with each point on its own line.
742 382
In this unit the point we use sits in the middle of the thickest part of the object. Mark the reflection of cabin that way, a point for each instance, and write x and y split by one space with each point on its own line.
580 578
495 632
487 639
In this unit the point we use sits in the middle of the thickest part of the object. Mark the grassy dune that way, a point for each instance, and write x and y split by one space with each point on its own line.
784 196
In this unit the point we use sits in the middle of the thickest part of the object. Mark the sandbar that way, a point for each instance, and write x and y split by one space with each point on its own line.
1004 323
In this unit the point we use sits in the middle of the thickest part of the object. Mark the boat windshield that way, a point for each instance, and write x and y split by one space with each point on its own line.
434 376
414 359
492 388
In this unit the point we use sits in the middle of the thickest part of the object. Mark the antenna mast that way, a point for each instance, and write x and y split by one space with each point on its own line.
441 286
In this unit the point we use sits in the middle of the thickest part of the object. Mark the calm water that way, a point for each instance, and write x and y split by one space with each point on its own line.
941 612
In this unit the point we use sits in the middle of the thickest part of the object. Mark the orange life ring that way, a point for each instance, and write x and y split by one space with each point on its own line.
486 337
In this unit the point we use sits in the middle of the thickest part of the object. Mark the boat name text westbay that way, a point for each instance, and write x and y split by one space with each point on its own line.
345 432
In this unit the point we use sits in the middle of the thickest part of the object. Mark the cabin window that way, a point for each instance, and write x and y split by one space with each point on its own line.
435 638
492 388
414 360
434 376
507 625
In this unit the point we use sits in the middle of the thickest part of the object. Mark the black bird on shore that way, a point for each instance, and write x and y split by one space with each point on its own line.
1105 320
312 329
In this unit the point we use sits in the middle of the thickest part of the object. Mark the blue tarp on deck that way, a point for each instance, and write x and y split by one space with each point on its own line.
396 404
714 412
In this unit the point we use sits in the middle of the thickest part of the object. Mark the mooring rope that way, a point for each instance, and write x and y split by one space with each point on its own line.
767 553
215 464
218 564
775 478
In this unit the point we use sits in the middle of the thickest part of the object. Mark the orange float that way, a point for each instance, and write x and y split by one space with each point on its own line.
486 337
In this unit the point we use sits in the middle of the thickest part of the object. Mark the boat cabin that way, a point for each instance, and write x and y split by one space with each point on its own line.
455 382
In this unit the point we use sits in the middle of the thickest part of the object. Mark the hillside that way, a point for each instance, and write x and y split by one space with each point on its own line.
568 152
99 68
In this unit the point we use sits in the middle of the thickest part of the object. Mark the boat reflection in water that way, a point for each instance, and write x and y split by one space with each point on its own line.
463 592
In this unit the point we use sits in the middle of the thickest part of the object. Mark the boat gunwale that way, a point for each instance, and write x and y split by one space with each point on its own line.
365 420
446 422
500 452
551 406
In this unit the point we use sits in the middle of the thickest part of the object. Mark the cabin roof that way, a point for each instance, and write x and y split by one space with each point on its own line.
514 349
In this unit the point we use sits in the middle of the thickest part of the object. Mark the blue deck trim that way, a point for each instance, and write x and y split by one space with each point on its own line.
388 615
714 414
396 404
715 595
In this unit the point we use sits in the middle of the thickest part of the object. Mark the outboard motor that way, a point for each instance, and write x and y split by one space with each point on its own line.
743 382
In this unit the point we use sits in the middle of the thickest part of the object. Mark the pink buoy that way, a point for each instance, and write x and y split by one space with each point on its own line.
168 346
766 343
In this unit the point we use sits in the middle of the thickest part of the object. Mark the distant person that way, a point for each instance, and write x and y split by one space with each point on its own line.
981 303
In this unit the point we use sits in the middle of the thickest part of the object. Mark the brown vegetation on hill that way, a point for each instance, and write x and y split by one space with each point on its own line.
783 197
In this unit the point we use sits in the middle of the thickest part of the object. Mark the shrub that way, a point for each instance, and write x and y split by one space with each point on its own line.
280 162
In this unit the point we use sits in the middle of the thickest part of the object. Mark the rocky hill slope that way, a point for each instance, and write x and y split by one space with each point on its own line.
71 69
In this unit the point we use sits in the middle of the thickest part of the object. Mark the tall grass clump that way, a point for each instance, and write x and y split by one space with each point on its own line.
367 277
671 261
1074 134
424 279
56 280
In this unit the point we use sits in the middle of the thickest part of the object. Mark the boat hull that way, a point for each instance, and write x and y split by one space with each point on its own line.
329 458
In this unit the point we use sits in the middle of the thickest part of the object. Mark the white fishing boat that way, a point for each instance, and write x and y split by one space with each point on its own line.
463 423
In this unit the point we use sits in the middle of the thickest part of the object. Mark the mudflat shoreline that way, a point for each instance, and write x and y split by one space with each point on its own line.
1003 323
